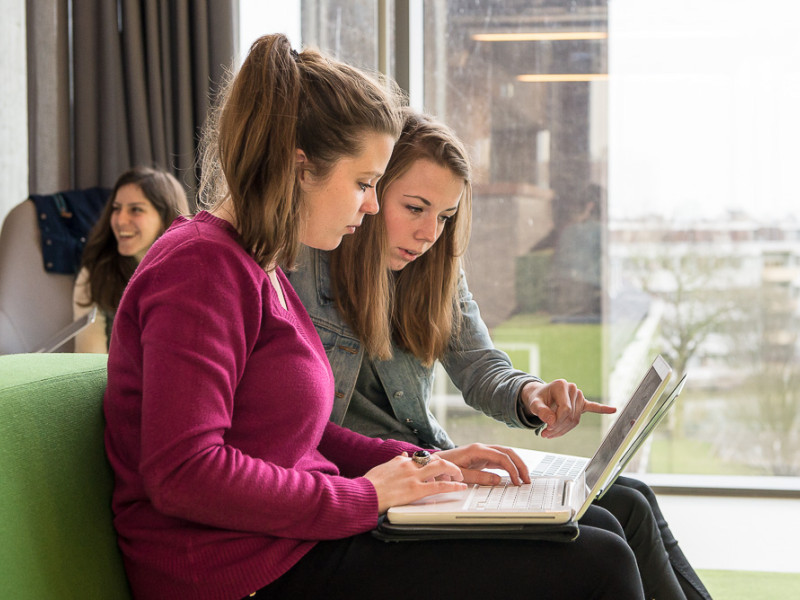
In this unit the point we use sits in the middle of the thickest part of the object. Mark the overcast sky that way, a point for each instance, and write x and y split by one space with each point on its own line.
704 107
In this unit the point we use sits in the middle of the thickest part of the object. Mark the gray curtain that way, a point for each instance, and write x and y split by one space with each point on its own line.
49 131
143 75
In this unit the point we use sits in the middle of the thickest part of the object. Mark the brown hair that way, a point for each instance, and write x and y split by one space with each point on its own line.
417 306
109 271
278 102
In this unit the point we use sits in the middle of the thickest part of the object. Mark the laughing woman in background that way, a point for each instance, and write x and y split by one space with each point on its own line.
143 204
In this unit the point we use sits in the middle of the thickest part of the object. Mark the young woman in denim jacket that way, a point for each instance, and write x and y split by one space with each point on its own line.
383 329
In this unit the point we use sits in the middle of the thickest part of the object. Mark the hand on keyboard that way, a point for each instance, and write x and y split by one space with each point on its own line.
474 458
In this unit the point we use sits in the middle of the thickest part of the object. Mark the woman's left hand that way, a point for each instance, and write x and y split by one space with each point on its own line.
473 458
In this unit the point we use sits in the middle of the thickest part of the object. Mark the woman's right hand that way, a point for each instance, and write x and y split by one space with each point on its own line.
401 480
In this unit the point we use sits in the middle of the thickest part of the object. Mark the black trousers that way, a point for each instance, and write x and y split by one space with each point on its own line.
599 564
657 552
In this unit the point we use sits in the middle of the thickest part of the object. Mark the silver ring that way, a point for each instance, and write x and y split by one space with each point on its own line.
421 457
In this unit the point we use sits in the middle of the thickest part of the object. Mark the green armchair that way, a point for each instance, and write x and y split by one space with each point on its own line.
57 538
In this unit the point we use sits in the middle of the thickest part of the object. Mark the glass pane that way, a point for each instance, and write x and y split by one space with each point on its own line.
704 221
346 29
634 197
524 85
257 18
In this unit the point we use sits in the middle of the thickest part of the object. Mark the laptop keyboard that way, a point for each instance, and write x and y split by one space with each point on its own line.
560 466
543 493
540 494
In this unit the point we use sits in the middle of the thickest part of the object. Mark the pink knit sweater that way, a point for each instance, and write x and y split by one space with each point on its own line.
227 467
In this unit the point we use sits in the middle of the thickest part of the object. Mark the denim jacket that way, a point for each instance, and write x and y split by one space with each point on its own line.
483 374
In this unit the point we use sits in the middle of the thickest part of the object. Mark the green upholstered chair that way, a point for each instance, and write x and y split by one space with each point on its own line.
57 539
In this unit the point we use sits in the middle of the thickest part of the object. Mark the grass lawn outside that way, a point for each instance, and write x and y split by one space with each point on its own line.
751 585
691 456
570 351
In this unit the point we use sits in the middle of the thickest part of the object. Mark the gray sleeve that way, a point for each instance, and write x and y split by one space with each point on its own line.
484 374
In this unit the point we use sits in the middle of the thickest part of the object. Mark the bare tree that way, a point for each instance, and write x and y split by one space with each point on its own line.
767 404
758 326
698 303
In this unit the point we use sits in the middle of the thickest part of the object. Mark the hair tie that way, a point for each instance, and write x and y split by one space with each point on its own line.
294 53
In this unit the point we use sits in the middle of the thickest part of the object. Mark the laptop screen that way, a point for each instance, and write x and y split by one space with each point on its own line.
652 384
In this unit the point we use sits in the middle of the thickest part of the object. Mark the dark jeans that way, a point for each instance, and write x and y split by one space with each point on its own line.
657 552
599 564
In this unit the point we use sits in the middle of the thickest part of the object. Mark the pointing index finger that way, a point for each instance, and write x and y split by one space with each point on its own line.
596 407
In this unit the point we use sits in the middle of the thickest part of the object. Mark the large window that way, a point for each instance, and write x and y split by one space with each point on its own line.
633 197
704 220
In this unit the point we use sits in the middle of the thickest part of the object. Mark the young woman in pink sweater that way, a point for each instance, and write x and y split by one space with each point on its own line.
231 481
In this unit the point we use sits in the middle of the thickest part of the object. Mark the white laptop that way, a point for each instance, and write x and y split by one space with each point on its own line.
67 333
546 499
